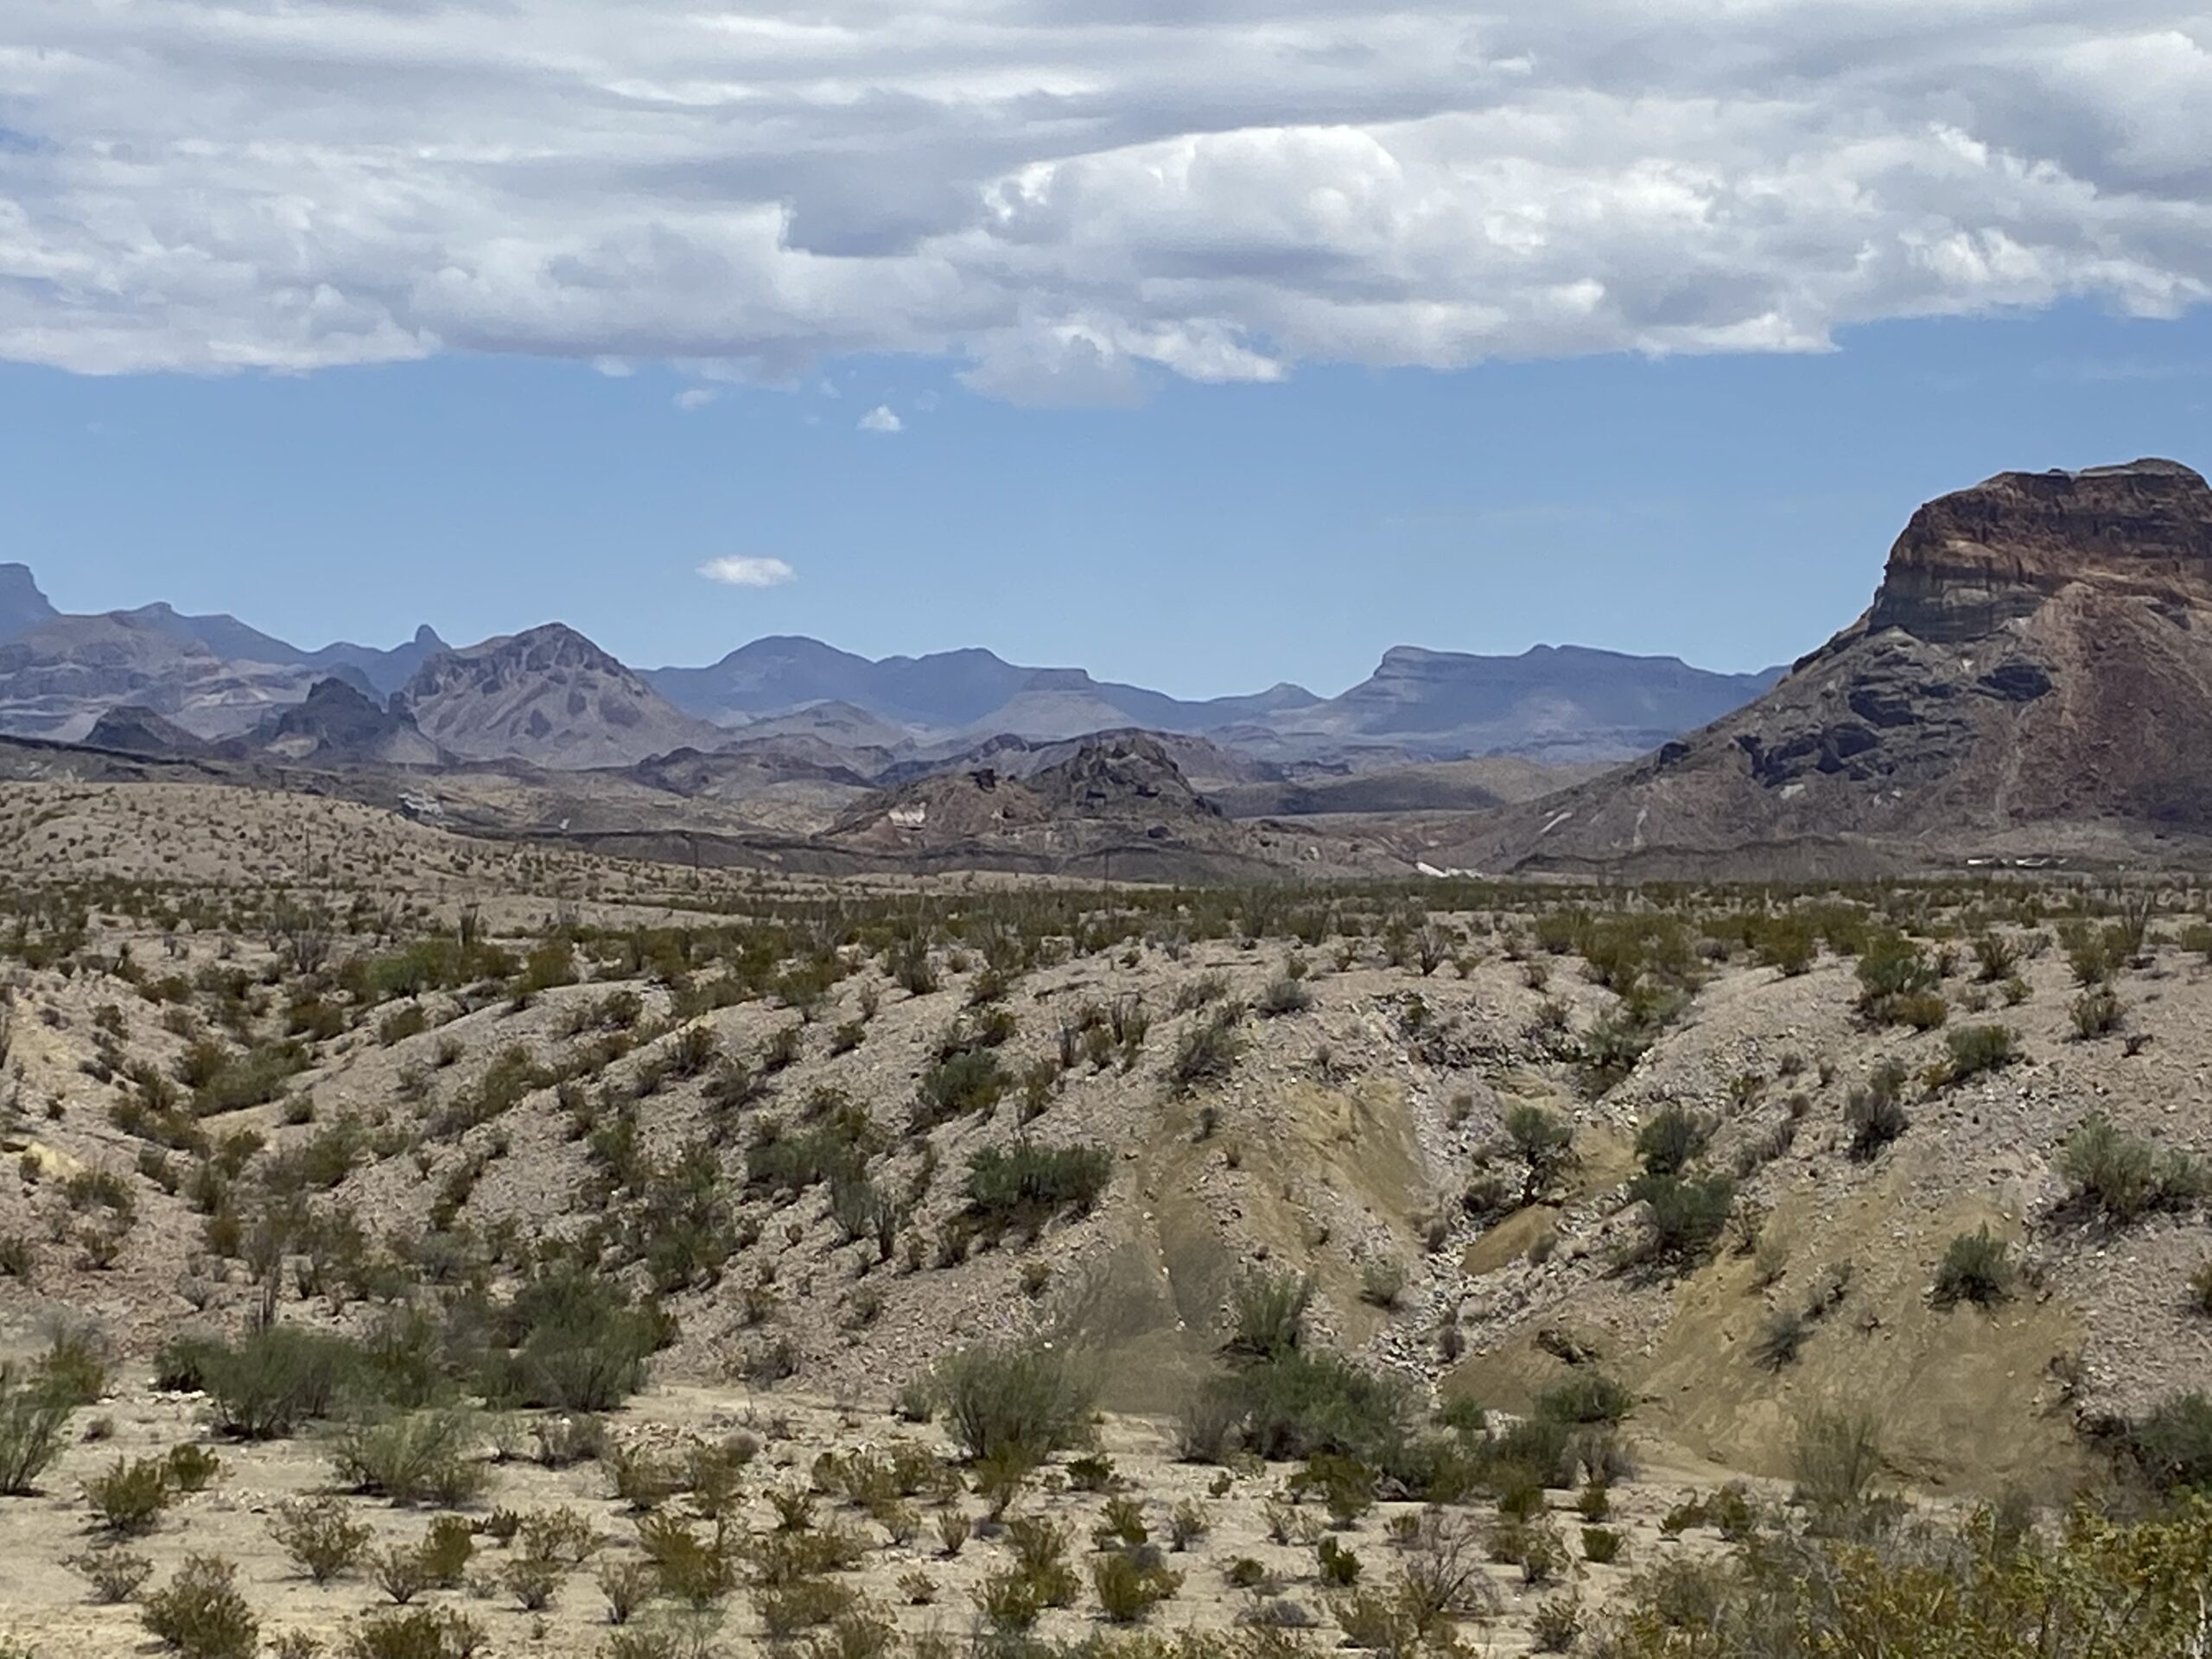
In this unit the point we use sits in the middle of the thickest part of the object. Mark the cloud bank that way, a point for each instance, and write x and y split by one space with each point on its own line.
1069 201
735 572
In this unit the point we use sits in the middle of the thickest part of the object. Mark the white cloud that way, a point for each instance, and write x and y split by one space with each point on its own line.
882 419
736 572
691 399
1071 202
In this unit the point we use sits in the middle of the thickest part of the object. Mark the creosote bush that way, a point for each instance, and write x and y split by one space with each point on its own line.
33 1420
267 1383
2096 1013
1207 1053
321 1536
1975 1269
2094 1588
1023 1185
1683 1218
1024 1403
420 1457
128 1499
1834 1459
1874 1113
201 1613
2121 1178
415 1633
1670 1140
1544 1142
1976 1049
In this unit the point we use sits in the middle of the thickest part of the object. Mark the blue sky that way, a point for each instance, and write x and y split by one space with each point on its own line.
1732 510
1201 344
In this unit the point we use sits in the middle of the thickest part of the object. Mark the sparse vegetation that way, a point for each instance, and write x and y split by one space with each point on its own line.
1874 1113
1023 1404
713 1138
34 1417
2121 1178
1975 1269
320 1536
201 1613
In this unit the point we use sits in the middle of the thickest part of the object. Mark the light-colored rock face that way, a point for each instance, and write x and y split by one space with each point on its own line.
1975 560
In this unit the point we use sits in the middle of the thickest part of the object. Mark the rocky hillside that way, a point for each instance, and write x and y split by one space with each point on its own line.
1123 792
549 697
1561 704
22 605
336 726
129 728
2034 675
1693 1141
60 678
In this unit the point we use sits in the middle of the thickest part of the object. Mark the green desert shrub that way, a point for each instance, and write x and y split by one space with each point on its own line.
577 1343
2172 1443
128 1499
2101 1587
76 1362
1544 1142
1302 1405
1025 1402
418 1456
1874 1113
1976 1049
2096 1013
34 1420
1268 1314
1023 1185
1669 1139
1997 957
1683 1218
1783 1335
321 1536
2121 1178
201 1613
689 1567
967 1084
1834 1457
1129 1588
1208 1051
270 1381
191 1468
1587 1398
1893 971
415 1633
115 1575
1974 1269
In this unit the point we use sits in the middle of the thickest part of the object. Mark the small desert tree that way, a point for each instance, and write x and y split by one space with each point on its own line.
1545 1144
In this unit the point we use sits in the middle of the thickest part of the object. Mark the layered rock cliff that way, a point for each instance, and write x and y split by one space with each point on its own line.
2035 668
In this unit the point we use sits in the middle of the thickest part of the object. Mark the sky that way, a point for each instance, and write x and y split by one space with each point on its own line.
1202 345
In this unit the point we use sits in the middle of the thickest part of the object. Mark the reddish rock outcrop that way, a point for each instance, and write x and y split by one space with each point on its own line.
1970 561
2035 670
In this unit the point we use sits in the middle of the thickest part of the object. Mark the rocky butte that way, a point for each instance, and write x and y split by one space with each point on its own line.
2035 674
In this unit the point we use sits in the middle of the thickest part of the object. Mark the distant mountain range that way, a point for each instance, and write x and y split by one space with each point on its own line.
551 698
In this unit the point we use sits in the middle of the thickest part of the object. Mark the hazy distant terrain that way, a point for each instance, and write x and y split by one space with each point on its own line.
549 697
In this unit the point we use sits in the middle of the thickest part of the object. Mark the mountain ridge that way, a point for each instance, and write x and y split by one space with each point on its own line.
215 677
1992 696
548 695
